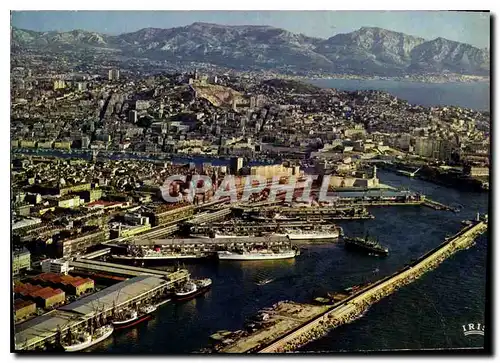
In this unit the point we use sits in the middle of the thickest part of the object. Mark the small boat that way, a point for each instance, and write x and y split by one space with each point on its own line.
192 288
134 317
265 282
129 317
87 340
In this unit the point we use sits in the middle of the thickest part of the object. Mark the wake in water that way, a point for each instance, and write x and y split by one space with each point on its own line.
263 278
264 282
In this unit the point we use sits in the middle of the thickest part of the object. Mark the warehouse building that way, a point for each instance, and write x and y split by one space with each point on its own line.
81 242
44 329
167 213
45 297
124 293
23 309
69 284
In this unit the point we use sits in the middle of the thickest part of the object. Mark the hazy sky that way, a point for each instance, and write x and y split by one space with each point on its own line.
467 27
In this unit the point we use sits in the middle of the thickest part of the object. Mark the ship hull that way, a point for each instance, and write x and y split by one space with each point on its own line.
184 297
89 343
364 249
312 236
130 323
255 257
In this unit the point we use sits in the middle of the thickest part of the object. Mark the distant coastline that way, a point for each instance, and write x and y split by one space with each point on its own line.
431 78
472 95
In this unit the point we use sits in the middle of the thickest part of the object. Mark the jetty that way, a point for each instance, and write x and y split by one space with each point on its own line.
287 332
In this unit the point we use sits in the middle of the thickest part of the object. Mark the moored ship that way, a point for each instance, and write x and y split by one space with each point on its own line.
256 255
87 340
192 288
277 217
219 236
367 244
134 317
300 235
320 235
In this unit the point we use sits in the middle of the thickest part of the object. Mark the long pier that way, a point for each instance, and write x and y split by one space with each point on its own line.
206 245
255 228
209 217
348 309
289 333
86 265
50 329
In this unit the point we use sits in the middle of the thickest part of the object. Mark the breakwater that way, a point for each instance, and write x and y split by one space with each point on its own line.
352 307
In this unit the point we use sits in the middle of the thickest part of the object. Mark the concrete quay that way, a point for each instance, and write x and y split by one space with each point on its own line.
210 245
386 203
49 330
209 217
94 266
250 228
352 307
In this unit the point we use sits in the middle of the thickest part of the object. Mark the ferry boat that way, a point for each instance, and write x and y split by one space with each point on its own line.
87 340
256 255
134 317
192 288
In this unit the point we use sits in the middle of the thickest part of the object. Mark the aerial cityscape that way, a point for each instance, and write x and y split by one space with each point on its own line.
243 182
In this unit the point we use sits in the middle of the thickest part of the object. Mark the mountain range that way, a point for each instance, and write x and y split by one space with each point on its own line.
366 51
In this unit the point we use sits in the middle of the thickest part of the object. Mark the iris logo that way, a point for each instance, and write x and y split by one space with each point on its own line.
473 329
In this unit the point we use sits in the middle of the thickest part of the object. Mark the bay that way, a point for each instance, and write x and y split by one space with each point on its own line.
474 95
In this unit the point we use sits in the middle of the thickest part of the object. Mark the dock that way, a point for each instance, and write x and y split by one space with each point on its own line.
209 217
286 334
253 228
47 330
115 269
436 205
206 245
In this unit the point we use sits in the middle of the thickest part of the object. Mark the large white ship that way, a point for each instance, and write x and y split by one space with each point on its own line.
297 235
88 340
219 236
155 256
256 255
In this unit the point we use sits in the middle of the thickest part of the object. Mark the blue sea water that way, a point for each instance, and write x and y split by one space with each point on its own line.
471 95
